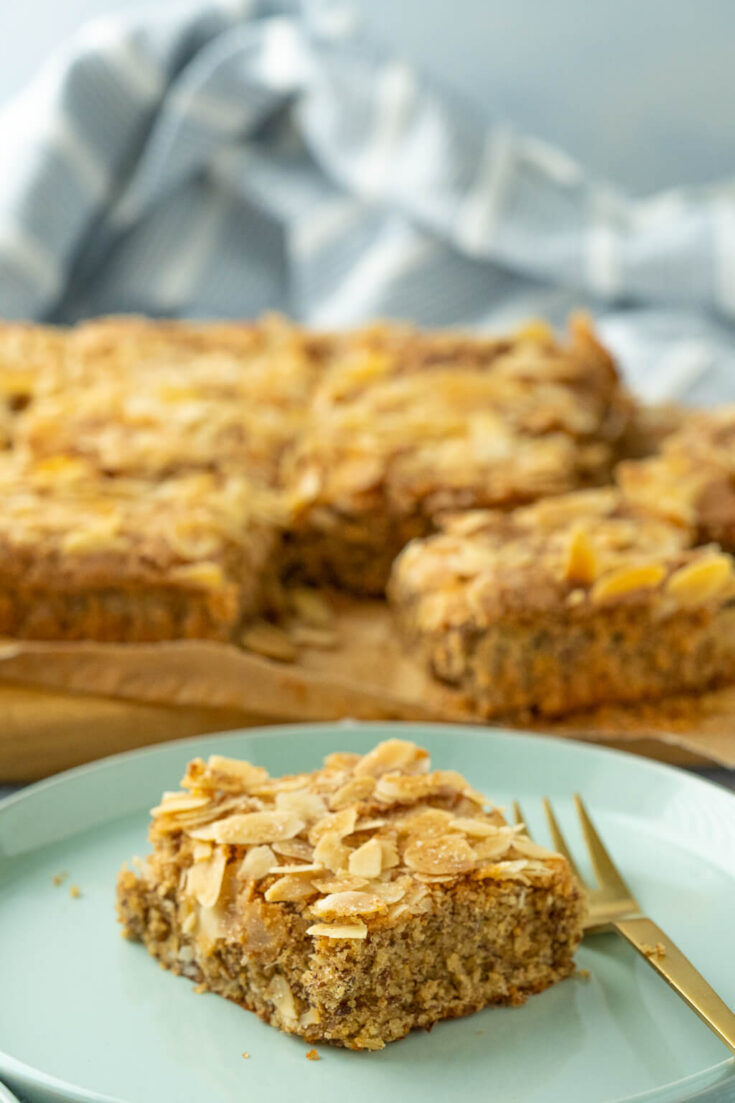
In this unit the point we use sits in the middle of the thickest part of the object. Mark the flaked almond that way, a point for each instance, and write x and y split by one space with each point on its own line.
294 848
258 862
201 851
702 580
367 860
475 828
304 869
440 855
268 640
341 760
348 903
404 789
204 879
391 756
390 856
627 580
282 999
493 847
426 823
202 576
289 888
343 883
251 828
337 930
308 806
354 791
336 823
580 564
227 774
331 852
529 849
171 803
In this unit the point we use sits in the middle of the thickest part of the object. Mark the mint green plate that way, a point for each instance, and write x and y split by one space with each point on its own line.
85 1015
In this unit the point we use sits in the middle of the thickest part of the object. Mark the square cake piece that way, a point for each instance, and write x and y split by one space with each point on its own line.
150 399
405 425
692 481
352 904
569 603
83 557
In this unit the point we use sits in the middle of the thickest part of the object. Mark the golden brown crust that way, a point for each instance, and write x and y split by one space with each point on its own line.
692 481
572 602
407 425
87 557
352 904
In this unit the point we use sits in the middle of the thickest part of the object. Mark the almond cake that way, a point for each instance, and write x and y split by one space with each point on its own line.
406 425
568 603
692 481
83 557
352 904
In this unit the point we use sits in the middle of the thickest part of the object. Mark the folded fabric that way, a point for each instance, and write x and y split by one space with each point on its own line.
223 160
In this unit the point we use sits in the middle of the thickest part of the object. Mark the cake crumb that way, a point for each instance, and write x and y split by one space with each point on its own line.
59 878
657 952
246 1055
312 1055
75 892
582 974
200 988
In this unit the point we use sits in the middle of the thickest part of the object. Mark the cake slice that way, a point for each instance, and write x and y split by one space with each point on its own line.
569 603
123 560
405 425
692 481
352 904
150 399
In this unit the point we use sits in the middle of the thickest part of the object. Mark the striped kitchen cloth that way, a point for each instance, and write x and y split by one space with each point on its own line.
229 158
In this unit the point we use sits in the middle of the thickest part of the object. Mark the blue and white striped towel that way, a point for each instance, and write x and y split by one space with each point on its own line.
232 158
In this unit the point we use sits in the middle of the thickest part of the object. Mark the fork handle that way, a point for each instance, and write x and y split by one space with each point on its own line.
678 971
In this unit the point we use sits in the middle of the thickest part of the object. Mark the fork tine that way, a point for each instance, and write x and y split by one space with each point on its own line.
605 869
560 842
519 818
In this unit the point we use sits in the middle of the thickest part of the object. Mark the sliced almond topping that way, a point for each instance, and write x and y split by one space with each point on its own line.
529 849
348 903
392 891
336 823
251 828
352 792
626 580
390 856
282 999
580 566
402 789
367 860
265 639
227 774
699 582
289 889
331 852
301 870
442 854
201 851
172 803
341 760
343 883
308 806
393 755
337 930
294 848
258 862
494 846
204 879
476 828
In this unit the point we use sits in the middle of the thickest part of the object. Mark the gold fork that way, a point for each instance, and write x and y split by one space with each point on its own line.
612 906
